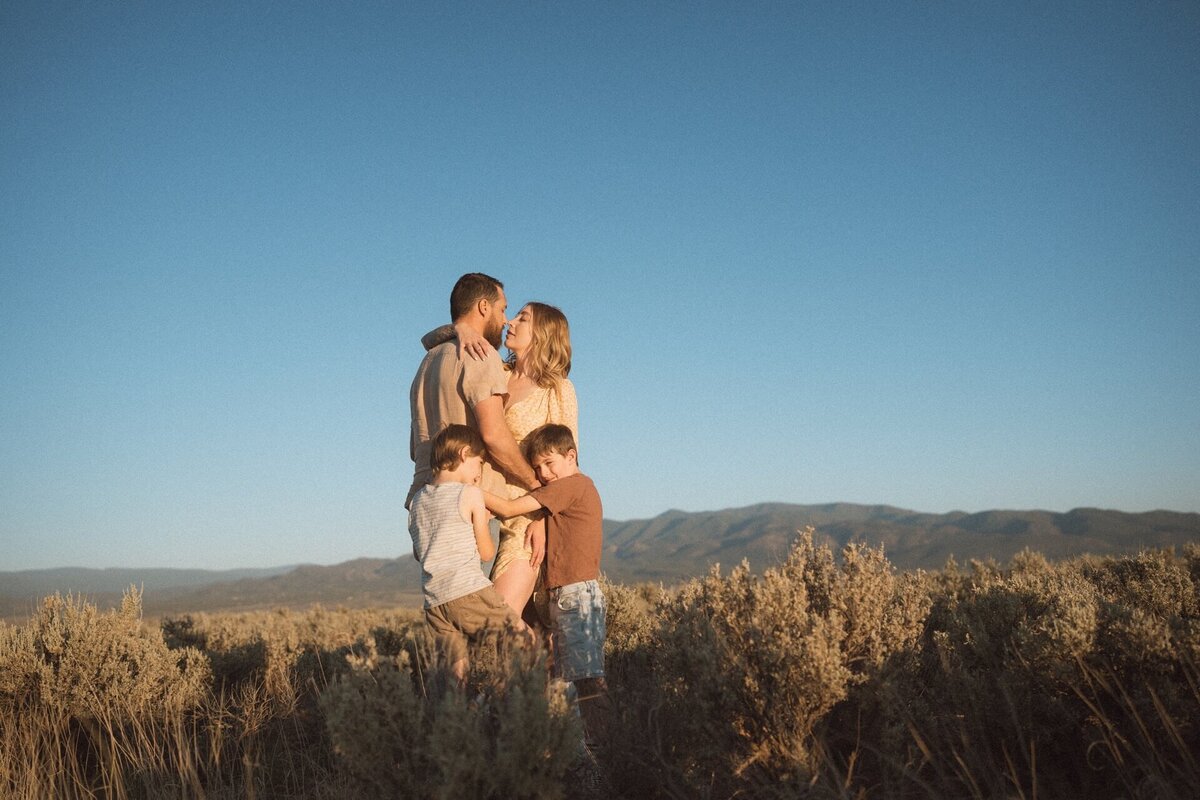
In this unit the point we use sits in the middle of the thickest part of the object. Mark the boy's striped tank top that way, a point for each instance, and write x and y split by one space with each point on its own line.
444 543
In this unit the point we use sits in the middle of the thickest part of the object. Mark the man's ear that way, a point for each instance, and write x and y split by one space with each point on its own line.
483 306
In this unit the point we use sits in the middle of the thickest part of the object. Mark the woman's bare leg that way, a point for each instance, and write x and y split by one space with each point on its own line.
516 583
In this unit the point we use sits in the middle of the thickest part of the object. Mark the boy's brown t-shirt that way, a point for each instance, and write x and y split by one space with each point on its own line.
574 529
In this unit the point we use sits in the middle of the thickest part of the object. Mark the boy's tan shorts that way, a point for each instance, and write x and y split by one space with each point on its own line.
466 617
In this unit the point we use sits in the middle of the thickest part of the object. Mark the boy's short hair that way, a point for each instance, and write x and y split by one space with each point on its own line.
446 453
552 438
469 290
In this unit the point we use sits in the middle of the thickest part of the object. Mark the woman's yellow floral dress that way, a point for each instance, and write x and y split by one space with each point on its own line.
540 407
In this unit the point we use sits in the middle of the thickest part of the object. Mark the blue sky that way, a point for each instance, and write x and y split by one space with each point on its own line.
934 255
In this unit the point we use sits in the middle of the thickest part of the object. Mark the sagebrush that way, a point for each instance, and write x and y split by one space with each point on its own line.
822 676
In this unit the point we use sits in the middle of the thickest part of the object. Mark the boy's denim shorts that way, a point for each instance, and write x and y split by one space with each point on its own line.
577 622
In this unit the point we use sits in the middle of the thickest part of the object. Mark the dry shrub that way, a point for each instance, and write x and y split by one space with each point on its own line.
632 622
276 647
1142 685
270 669
739 670
96 704
820 677
1155 581
74 658
397 735
1057 679
990 696
88 698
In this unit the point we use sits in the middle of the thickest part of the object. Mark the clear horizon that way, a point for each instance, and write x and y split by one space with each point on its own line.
934 257
408 554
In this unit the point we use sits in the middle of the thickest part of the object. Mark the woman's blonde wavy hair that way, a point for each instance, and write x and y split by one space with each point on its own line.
548 360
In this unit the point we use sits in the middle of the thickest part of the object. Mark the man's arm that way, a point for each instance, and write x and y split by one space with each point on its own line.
471 505
502 447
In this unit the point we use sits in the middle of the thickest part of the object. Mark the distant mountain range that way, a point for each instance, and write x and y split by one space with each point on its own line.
361 583
668 548
678 543
78 579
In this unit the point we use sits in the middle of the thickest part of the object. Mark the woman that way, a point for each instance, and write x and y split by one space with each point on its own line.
539 345
538 341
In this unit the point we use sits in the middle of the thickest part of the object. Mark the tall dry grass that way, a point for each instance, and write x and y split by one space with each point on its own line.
825 677
398 733
85 696
725 689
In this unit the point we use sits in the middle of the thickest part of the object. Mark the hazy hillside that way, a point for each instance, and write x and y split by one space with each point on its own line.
360 583
677 543
20 591
113 579
667 548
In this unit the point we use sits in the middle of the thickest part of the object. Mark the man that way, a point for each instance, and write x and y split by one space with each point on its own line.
449 389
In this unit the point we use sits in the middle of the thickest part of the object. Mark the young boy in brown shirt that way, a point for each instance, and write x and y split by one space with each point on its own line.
574 534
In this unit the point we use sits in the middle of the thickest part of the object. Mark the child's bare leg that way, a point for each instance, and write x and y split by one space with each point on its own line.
453 658
595 708
459 670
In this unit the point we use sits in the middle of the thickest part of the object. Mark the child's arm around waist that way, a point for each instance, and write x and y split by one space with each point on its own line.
470 504
503 507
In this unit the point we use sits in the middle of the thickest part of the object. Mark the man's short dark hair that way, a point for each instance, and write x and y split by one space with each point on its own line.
552 438
469 290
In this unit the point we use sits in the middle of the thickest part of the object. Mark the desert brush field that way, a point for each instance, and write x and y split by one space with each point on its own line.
826 676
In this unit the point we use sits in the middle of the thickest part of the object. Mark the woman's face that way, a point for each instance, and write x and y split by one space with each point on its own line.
520 331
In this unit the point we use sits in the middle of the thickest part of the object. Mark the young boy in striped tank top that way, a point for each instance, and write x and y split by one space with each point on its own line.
449 527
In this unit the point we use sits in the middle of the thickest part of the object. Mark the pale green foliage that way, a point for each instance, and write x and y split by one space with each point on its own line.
397 738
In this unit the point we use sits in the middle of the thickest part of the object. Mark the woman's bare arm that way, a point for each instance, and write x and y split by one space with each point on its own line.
470 341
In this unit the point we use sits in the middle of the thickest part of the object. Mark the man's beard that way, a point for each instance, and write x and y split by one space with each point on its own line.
493 334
